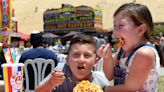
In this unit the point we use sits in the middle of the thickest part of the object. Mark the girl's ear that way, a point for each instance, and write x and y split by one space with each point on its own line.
142 29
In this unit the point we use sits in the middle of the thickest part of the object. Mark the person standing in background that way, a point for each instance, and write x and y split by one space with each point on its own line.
161 41
2 60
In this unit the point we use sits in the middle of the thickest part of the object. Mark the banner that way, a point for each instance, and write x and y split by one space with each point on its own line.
6 12
98 16
0 14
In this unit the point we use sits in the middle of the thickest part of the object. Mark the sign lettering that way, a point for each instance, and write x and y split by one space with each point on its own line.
5 18
64 19
69 26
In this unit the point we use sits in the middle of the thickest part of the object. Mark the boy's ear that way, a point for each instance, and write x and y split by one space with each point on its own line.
142 29
66 62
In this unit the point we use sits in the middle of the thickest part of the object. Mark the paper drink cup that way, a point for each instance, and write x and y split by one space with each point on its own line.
13 77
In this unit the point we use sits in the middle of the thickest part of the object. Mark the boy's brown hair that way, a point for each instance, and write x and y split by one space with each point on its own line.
83 39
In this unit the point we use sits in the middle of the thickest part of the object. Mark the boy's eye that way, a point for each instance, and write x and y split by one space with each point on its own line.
87 55
76 55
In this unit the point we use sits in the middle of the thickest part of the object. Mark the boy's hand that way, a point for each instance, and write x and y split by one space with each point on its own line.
57 78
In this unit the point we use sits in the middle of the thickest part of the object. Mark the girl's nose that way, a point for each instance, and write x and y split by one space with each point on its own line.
115 33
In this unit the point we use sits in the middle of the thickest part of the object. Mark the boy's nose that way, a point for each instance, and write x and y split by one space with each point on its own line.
81 58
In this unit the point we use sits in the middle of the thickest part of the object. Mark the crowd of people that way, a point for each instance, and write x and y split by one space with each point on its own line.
134 67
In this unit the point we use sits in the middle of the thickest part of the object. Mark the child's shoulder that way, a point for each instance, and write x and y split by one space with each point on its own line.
145 55
146 51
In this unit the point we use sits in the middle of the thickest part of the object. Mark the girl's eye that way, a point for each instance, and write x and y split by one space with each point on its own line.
118 27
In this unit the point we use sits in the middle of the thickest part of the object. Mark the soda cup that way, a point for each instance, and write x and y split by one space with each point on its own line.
13 77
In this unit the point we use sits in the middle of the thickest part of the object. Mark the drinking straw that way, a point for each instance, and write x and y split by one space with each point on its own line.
5 45
12 61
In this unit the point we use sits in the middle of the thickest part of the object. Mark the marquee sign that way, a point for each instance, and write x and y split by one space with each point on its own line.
69 18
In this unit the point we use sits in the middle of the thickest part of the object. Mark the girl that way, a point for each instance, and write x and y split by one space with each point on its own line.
135 66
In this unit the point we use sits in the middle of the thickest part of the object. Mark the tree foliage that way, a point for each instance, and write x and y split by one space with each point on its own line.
157 29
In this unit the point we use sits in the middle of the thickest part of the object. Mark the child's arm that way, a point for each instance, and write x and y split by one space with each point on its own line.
108 62
143 62
55 80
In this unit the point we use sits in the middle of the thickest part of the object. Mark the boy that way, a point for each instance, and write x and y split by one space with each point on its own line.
80 62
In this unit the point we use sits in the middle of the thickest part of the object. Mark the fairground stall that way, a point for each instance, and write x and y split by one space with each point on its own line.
69 18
